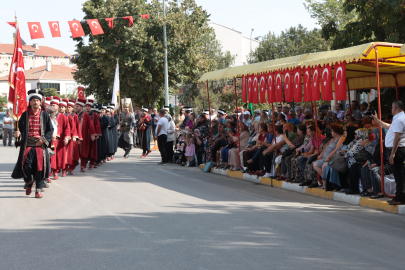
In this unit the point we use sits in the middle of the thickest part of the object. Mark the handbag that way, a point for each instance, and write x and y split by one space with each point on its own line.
362 156
338 163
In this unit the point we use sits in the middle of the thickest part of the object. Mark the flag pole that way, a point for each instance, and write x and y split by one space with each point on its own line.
15 103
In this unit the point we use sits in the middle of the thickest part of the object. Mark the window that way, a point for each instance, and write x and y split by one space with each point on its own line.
49 85
70 88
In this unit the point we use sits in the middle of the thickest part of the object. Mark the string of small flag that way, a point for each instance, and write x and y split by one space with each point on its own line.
41 57
75 26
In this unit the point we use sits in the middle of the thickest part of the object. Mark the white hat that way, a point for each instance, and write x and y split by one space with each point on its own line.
187 109
222 111
145 109
166 108
247 112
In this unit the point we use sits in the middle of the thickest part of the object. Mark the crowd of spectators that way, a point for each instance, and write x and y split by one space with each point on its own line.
340 152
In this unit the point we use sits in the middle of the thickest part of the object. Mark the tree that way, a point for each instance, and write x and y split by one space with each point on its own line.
50 92
381 20
140 50
294 41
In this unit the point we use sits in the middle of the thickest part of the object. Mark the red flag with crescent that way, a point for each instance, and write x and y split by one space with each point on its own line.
249 87
297 89
316 94
244 95
95 27
288 93
307 84
279 86
76 29
271 95
326 82
340 81
35 30
80 92
55 29
262 83
255 94
17 94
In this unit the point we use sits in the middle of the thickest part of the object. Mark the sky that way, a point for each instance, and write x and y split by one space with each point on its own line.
261 15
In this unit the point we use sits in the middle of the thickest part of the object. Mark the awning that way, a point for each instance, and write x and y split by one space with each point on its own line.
361 65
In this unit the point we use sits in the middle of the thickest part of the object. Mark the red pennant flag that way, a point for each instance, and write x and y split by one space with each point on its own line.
326 84
110 22
35 30
76 29
307 84
288 91
95 27
249 87
255 94
340 81
262 80
13 24
316 94
145 16
80 92
279 86
130 19
244 95
297 89
271 95
55 30
17 93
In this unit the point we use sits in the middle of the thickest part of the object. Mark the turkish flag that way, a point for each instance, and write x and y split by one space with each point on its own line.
326 83
316 94
80 92
244 95
255 94
55 30
297 89
262 80
279 86
340 81
110 22
76 29
35 30
307 84
13 24
249 87
95 27
130 19
288 91
17 93
271 95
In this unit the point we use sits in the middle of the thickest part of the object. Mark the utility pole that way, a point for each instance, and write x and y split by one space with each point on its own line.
250 44
165 44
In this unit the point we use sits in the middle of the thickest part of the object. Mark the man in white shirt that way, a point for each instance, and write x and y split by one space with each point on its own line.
8 129
395 143
161 136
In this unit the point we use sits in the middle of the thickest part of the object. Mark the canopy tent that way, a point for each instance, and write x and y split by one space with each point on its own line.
361 72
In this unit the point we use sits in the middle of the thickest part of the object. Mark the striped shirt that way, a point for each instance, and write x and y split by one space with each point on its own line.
34 128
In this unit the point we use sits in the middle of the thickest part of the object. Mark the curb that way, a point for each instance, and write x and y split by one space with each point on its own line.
381 204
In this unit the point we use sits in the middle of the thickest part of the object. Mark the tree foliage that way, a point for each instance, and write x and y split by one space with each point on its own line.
293 41
140 49
50 92
378 20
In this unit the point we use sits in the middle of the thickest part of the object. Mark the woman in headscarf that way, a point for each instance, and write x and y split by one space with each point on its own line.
233 154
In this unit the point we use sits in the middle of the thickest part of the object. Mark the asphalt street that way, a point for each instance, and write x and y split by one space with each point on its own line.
134 214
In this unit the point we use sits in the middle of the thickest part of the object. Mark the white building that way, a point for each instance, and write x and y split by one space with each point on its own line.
233 41
59 77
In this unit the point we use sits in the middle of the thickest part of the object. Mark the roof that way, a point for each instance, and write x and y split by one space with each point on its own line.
41 51
59 72
360 68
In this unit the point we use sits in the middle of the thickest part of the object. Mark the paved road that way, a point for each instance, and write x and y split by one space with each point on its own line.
134 214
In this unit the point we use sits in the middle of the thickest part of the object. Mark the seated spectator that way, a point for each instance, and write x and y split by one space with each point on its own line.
321 115
246 119
364 109
329 151
258 155
291 152
254 135
280 119
250 152
308 114
233 154
294 170
264 116
256 115
293 118
286 111
216 143
367 122
214 127
300 113
277 146
340 113
356 113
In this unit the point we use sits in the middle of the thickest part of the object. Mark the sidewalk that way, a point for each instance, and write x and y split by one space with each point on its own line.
380 204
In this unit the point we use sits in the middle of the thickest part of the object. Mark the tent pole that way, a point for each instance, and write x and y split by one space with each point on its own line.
379 117
396 86
209 108
316 132
237 120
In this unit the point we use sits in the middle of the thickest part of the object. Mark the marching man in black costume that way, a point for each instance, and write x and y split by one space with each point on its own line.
35 133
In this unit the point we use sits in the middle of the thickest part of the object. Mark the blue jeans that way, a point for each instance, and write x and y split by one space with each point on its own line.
302 161
225 154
